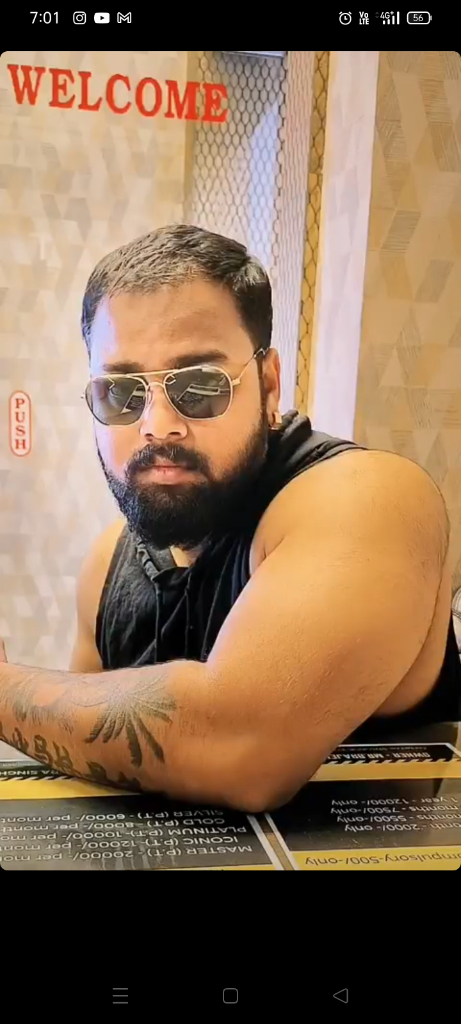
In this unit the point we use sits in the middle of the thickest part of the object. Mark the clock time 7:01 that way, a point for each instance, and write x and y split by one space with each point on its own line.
45 16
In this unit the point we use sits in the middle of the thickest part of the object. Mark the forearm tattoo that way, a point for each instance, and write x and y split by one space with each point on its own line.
124 708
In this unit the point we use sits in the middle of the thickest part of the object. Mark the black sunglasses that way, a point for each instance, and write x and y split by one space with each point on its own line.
195 392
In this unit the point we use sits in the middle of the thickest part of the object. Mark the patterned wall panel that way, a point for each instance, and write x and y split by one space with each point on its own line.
74 186
409 383
236 170
342 252
312 234
248 177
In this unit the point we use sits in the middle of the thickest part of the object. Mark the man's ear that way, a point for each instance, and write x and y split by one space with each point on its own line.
271 371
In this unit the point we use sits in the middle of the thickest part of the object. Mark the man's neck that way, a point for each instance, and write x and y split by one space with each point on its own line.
184 559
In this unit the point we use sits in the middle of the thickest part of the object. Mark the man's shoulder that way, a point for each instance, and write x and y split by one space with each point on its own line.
95 567
354 490
101 552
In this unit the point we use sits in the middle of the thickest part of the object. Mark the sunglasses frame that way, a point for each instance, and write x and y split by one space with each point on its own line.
141 379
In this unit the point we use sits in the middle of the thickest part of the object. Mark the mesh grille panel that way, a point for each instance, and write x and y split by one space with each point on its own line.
237 165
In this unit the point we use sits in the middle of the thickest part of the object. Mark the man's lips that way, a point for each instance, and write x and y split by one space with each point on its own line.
167 464
163 471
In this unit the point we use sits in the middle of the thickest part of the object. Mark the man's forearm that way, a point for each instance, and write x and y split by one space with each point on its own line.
126 728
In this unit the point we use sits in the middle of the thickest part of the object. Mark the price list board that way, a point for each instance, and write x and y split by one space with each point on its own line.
369 807
48 822
377 807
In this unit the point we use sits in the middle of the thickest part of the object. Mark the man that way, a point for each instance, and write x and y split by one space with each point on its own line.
267 590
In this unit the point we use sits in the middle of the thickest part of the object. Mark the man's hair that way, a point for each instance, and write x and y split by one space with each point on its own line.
173 255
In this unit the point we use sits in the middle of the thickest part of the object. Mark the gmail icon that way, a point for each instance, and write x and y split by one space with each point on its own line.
124 17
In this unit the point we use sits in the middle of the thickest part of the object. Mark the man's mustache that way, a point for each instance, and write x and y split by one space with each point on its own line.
179 456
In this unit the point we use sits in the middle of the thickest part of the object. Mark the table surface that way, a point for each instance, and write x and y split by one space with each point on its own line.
449 732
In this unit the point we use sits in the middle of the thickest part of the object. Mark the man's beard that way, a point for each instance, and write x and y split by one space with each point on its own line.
186 516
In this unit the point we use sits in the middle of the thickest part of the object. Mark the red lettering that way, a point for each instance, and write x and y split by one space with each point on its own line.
59 85
110 90
182 101
140 97
214 98
20 423
26 88
85 103
188 104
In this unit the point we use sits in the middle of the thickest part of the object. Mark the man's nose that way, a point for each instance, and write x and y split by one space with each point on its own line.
159 419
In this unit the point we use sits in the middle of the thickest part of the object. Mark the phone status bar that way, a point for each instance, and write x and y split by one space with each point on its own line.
81 17
346 18
103 23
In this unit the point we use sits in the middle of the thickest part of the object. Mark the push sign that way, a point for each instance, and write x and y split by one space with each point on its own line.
20 424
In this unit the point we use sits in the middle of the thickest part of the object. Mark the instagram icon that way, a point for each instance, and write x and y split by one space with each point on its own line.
79 18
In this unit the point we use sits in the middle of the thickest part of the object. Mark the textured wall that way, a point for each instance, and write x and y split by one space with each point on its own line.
409 380
345 209
74 186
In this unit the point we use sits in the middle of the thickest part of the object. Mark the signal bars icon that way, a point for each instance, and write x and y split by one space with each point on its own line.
120 997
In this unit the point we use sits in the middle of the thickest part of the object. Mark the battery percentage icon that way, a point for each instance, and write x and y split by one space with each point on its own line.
419 18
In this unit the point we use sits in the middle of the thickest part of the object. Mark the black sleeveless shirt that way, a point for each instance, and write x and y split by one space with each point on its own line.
152 611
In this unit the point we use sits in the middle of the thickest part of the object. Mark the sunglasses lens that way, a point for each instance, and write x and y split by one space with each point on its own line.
199 394
117 402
